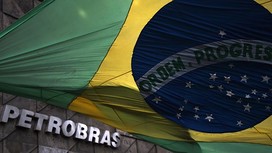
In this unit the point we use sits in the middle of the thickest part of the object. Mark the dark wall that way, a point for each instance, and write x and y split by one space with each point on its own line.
14 139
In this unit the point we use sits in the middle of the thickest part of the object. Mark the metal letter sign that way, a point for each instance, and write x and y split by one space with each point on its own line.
57 126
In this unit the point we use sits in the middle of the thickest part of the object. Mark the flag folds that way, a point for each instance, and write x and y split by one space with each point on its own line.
190 76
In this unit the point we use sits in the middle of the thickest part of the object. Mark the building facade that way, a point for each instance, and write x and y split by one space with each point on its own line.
17 139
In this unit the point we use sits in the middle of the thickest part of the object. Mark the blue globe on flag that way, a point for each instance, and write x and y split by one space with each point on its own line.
206 73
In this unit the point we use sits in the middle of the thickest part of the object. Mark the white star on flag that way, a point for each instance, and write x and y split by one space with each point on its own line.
247 96
220 88
209 117
264 95
247 107
178 115
156 100
196 117
239 100
227 79
254 91
244 78
222 33
230 93
239 123
181 108
265 79
267 108
189 84
196 108
213 76
231 65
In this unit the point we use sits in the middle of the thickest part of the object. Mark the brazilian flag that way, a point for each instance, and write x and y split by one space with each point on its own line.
189 75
